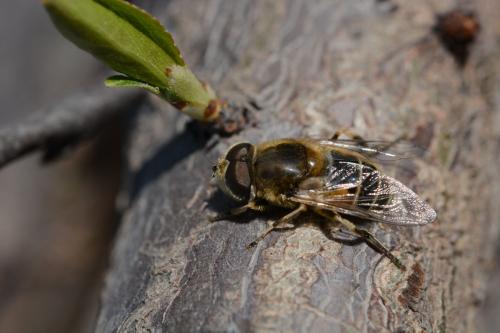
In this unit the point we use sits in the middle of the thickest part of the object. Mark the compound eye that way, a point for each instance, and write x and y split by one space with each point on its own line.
237 177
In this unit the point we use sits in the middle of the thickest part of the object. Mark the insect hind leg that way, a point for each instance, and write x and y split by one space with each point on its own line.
339 234
350 134
371 240
378 246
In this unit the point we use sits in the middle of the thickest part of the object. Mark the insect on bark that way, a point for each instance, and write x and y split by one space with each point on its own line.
338 180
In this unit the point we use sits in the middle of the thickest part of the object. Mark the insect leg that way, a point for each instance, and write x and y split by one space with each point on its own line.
285 219
371 240
350 134
338 233
365 234
238 210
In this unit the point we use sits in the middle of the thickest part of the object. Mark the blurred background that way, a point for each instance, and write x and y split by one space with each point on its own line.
56 221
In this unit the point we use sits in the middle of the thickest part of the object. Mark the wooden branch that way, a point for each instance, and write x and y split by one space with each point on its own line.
72 120
313 67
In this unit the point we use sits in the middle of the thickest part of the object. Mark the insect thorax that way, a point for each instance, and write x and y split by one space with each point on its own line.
280 167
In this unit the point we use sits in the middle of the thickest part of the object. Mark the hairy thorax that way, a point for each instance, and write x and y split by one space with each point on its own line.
281 166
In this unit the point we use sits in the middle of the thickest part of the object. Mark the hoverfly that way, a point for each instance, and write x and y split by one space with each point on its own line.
339 180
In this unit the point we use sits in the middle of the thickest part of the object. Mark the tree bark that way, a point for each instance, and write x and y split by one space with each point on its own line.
310 68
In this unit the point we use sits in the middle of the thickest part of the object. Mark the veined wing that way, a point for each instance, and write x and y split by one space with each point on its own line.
379 150
368 194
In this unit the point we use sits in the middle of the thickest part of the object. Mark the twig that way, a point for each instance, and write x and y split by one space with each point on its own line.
75 118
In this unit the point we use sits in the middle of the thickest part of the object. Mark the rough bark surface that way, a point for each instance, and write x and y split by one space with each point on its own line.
312 67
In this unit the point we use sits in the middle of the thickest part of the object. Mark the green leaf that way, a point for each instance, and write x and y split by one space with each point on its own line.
111 38
134 43
183 90
147 24
121 81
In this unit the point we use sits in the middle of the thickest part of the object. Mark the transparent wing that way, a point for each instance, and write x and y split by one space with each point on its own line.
379 150
360 191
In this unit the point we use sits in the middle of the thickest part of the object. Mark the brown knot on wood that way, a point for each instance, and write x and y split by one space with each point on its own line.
457 30
412 293
232 118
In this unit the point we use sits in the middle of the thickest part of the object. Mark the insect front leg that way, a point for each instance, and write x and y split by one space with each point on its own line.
371 240
239 210
284 220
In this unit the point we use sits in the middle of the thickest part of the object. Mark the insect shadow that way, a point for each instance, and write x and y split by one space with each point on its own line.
219 203
181 146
